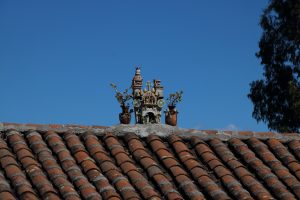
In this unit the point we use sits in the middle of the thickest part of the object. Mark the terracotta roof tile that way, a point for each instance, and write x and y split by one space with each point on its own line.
271 180
197 170
229 181
79 162
281 171
68 163
89 166
295 148
245 176
51 167
285 156
127 166
180 175
31 166
154 171
5 189
16 176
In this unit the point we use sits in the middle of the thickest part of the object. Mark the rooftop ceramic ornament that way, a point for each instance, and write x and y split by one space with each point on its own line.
147 103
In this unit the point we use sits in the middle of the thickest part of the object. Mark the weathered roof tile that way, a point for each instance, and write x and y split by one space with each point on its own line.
75 162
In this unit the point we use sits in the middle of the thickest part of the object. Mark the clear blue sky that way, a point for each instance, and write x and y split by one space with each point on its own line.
57 59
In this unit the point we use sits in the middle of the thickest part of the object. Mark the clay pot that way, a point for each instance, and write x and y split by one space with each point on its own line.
125 115
171 116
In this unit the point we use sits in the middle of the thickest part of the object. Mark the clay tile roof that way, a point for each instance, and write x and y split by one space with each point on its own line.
152 162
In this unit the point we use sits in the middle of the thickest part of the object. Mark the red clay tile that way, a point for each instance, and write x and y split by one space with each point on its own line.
177 171
81 156
281 171
135 145
3 145
28 161
54 171
228 179
26 195
6 191
179 147
271 180
7 161
4 186
163 153
7 196
285 156
107 166
173 165
122 158
88 166
22 153
157 144
126 164
5 153
153 137
170 162
102 184
128 167
17 177
63 153
92 144
102 165
142 156
101 156
147 162
190 163
51 135
141 153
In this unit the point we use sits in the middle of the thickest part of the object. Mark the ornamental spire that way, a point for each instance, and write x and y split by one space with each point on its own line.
147 104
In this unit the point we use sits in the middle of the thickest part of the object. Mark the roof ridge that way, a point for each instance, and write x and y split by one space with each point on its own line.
142 130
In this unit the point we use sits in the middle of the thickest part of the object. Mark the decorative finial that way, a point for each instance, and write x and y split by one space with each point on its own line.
138 70
148 85
148 103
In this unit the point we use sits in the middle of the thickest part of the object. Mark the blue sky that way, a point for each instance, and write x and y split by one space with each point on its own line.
57 59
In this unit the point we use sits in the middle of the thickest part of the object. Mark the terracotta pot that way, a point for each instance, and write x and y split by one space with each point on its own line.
125 116
171 116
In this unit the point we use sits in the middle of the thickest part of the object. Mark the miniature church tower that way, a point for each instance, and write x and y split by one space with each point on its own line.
148 102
